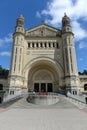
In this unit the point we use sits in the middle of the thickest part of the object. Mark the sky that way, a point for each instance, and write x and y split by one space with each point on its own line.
52 11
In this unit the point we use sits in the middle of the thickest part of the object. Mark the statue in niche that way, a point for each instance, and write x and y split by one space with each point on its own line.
42 31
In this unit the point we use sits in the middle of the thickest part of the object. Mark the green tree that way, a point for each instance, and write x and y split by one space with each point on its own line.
85 72
79 73
3 72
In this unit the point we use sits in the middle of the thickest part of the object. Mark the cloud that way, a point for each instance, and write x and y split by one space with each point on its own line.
7 39
75 9
5 53
38 14
78 31
81 59
82 45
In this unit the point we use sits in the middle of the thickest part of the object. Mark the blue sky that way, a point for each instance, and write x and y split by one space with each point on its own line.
52 12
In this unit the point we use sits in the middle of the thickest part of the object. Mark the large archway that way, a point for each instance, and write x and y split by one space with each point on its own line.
44 75
43 80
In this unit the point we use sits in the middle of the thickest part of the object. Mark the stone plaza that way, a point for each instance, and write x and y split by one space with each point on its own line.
64 115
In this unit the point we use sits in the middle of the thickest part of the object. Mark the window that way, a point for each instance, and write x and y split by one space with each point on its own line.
41 44
16 50
85 87
71 60
37 44
57 45
33 44
14 66
28 45
45 44
69 40
15 58
17 39
53 44
66 59
49 44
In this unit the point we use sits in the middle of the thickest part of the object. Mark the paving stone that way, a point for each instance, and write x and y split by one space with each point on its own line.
62 116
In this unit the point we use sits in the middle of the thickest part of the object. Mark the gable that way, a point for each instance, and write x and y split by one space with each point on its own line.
42 31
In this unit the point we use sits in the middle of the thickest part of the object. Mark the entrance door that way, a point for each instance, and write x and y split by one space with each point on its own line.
0 100
36 87
49 87
1 86
43 87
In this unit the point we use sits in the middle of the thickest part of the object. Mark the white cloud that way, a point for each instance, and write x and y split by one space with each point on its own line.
82 45
5 53
7 39
75 9
38 14
78 31
81 59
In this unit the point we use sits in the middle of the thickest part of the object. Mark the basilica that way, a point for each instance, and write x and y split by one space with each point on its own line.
43 57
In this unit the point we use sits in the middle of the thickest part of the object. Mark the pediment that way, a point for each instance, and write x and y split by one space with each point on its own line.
42 31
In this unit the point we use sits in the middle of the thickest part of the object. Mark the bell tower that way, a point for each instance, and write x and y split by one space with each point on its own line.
70 65
15 75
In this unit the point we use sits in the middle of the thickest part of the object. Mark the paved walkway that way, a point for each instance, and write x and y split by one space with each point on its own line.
25 116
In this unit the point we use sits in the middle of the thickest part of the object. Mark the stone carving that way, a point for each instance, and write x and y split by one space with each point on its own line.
43 76
42 31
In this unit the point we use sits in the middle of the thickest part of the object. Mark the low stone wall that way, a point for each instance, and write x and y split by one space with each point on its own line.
4 82
79 97
12 94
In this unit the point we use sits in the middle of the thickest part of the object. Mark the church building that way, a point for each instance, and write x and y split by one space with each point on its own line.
43 57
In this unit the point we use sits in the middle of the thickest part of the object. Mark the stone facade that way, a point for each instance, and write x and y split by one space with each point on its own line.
43 57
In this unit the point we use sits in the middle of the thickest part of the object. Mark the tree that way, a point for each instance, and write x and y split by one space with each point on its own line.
83 73
79 73
3 72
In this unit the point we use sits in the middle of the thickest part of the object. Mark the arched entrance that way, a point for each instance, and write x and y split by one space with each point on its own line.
43 80
44 76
